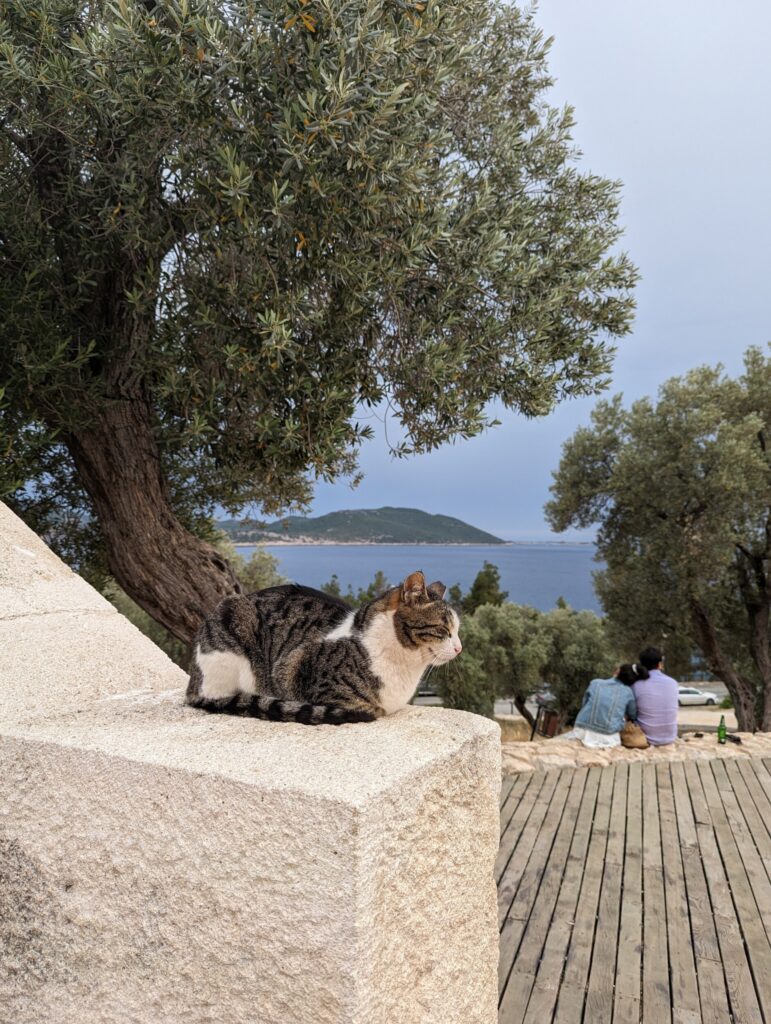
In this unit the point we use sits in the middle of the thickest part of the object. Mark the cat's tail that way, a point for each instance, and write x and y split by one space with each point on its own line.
276 710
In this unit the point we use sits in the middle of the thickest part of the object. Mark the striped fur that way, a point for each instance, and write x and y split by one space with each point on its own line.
295 654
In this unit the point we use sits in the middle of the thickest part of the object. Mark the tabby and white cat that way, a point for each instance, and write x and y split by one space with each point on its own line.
295 654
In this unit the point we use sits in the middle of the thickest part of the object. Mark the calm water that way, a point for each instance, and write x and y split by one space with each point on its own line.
534 574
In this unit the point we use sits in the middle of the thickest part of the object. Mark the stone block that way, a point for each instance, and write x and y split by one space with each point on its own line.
162 866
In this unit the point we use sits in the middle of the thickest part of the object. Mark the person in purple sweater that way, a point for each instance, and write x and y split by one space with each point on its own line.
657 700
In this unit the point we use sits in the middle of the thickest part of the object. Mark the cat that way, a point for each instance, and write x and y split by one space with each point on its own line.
291 653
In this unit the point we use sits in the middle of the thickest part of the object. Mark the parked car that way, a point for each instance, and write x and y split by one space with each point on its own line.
690 695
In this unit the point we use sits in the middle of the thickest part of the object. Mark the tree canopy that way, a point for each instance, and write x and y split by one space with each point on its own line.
511 650
486 589
363 595
578 651
224 227
681 491
504 648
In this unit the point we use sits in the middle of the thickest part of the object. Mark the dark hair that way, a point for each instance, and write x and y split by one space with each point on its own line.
631 674
651 657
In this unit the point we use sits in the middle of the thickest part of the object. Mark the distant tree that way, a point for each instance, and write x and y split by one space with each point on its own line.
225 226
509 643
577 651
256 573
455 596
504 648
681 491
378 586
363 595
485 589
332 587
464 685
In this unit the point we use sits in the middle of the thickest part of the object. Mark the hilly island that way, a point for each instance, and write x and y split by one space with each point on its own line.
359 526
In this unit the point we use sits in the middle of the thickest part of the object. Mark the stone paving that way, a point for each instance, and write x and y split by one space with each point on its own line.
562 753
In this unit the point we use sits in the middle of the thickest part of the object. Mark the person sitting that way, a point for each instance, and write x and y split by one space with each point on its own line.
608 703
657 700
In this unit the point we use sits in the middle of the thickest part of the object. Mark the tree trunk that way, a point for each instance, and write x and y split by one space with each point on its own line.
173 575
756 594
761 655
741 690
524 710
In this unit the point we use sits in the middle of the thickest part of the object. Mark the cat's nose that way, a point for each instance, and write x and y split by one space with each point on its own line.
458 647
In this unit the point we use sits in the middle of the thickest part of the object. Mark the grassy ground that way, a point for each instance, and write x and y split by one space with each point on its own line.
514 730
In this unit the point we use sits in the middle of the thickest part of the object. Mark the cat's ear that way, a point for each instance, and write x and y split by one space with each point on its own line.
414 588
436 591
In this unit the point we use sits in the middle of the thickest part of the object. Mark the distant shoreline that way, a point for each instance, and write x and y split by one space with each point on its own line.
407 544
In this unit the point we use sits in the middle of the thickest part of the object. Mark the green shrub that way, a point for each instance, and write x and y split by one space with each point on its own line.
726 703
465 686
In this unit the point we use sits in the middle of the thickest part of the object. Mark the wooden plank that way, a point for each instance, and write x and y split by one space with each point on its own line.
506 783
745 843
570 1001
570 1004
755 806
544 995
752 770
513 838
541 1005
513 795
760 766
745 909
701 815
712 992
682 967
542 899
655 968
713 998
741 992
515 868
523 895
599 991
705 944
626 1010
558 829
747 768
627 984
686 824
529 955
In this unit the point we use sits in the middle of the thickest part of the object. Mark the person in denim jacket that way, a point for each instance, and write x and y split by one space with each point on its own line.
607 705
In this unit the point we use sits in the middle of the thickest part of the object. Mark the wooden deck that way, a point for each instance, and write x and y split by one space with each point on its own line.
636 893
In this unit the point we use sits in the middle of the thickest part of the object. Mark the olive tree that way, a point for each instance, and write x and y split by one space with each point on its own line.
503 647
225 227
578 650
681 491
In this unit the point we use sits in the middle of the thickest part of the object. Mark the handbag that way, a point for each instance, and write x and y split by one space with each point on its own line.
633 736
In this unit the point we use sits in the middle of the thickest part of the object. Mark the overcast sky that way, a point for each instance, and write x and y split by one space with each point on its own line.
672 98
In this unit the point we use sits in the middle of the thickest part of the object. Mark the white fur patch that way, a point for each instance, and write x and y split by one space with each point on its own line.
224 674
399 668
343 630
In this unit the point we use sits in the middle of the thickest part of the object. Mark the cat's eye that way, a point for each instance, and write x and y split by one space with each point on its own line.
432 633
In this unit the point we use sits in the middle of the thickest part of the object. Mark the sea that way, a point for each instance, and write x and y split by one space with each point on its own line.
534 574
